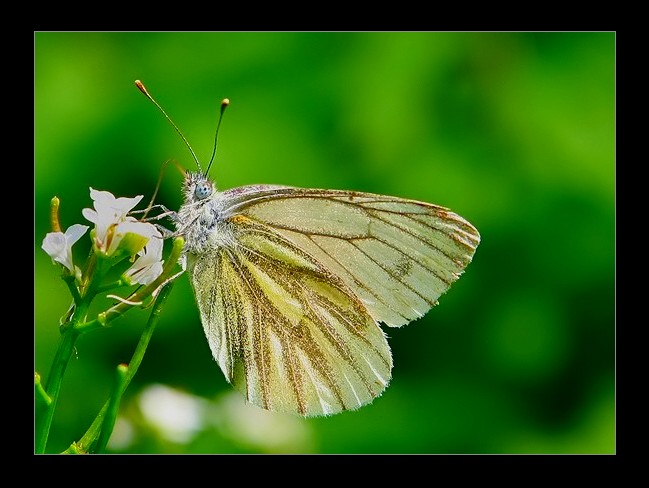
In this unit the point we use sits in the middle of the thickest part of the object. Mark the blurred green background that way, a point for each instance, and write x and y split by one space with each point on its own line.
513 131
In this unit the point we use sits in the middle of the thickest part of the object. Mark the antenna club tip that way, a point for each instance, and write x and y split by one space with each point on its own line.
141 87
224 104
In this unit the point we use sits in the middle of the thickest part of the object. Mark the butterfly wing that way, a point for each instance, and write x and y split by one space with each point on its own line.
291 302
286 332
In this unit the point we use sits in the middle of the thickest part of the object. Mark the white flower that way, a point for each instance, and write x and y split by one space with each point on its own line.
148 266
112 224
112 221
59 245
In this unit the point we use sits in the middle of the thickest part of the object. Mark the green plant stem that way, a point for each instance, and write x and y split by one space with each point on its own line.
72 286
96 429
41 396
69 336
112 408
53 387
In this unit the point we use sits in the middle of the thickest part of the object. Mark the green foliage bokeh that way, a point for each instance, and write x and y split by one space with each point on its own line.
513 131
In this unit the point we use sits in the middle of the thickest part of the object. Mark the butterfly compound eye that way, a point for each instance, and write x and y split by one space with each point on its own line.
203 190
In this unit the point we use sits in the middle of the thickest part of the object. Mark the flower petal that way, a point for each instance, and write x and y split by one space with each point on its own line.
148 266
59 245
131 226
75 232
110 213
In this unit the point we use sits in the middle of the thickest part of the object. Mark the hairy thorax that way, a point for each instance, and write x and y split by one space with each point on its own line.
202 225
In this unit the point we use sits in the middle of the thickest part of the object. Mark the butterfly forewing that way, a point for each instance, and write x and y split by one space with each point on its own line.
397 255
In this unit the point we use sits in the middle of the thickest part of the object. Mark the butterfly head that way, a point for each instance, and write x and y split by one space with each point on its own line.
197 187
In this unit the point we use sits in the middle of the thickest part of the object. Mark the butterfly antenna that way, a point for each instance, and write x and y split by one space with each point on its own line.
143 89
224 105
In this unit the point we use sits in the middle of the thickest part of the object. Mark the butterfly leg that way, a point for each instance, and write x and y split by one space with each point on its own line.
165 212
166 233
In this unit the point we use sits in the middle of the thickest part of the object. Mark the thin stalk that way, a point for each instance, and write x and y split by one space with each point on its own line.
112 408
53 386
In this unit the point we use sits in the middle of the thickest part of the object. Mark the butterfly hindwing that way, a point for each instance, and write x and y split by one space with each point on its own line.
287 332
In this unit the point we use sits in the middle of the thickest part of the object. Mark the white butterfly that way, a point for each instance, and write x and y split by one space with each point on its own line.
292 283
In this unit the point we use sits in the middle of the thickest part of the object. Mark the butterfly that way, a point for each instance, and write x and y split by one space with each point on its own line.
293 284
